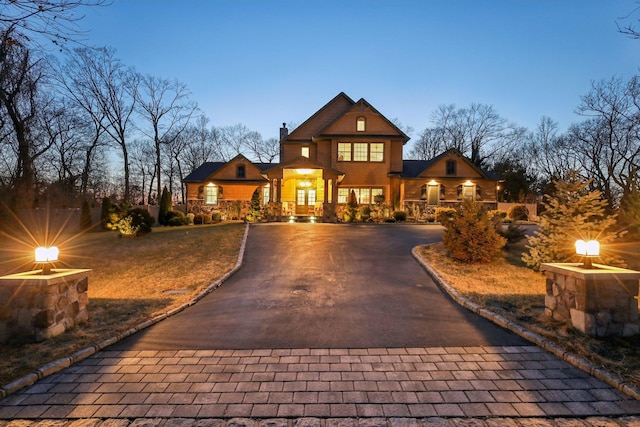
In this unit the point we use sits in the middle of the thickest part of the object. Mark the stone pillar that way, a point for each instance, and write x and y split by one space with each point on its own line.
42 306
599 302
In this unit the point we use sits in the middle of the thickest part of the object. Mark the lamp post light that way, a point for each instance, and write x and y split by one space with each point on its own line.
46 256
587 250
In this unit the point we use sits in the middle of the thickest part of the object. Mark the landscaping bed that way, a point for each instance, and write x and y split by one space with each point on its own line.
508 288
133 280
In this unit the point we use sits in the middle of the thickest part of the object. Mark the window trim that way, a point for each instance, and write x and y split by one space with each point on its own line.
373 192
303 149
241 171
361 120
451 167
215 194
349 155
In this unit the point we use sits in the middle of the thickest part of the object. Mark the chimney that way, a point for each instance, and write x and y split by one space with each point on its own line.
284 132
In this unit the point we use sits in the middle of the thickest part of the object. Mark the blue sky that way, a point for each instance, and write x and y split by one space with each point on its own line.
262 63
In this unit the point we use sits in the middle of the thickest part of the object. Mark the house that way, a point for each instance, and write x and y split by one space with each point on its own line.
346 148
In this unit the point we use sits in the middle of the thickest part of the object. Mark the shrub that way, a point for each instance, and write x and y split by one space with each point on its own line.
430 217
471 237
136 222
444 214
365 213
176 218
514 233
216 217
165 207
255 210
400 216
202 218
351 210
518 213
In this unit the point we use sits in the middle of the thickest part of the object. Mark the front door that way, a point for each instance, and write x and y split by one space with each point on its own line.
305 201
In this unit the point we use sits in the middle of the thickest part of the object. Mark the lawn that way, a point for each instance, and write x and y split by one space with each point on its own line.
133 279
510 289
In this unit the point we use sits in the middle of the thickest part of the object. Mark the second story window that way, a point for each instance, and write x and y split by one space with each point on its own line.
360 151
377 152
344 151
361 124
241 171
305 152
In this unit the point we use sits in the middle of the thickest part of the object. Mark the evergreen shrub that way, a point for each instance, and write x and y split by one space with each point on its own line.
518 213
471 237
202 218
400 216
444 214
176 218
137 222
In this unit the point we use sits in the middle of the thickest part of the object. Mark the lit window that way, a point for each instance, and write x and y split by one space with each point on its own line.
365 196
305 152
360 124
344 151
451 167
211 195
241 171
360 151
377 152
379 193
266 194
343 195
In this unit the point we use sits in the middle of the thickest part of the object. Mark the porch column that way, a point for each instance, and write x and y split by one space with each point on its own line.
279 190
326 190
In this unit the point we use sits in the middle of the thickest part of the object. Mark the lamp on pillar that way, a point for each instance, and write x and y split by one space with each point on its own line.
46 256
587 250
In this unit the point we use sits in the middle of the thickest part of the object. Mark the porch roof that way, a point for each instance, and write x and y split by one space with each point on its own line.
302 162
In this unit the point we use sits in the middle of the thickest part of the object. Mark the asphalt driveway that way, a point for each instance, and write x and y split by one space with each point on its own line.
326 286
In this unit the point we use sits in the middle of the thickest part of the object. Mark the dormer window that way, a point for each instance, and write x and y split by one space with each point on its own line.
361 124
305 152
241 171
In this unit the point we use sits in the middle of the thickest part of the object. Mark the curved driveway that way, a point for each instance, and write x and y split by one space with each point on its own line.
326 286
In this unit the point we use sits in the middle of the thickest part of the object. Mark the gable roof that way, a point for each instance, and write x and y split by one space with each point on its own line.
415 168
207 169
333 109
360 107
203 171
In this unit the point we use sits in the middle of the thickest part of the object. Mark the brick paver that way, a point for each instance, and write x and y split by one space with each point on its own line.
480 383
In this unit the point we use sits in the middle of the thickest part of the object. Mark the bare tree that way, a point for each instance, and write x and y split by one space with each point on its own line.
56 20
105 89
166 108
478 132
608 143
21 98
144 170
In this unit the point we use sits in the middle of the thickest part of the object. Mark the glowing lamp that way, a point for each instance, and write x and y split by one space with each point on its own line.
468 183
46 256
588 250
304 171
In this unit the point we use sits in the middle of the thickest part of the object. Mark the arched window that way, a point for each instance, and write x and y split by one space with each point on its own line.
361 124
443 191
451 167
423 192
241 171
478 192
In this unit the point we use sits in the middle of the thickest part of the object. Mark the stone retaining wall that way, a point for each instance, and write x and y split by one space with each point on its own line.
38 307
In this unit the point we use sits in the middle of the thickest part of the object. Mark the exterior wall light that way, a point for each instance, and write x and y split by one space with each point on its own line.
46 256
304 171
588 250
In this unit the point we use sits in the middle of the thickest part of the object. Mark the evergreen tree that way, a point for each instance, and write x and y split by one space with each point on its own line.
85 216
471 236
255 210
571 213
165 207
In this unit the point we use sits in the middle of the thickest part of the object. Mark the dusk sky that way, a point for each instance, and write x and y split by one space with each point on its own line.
262 63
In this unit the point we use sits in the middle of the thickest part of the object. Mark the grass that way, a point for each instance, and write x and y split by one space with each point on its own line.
510 289
132 280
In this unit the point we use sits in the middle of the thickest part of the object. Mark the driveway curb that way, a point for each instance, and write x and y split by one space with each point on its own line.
572 358
64 362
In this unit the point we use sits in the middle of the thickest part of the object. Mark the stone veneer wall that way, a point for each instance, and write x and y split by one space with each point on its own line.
599 302
38 307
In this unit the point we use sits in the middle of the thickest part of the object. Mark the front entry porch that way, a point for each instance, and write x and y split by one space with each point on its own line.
304 190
